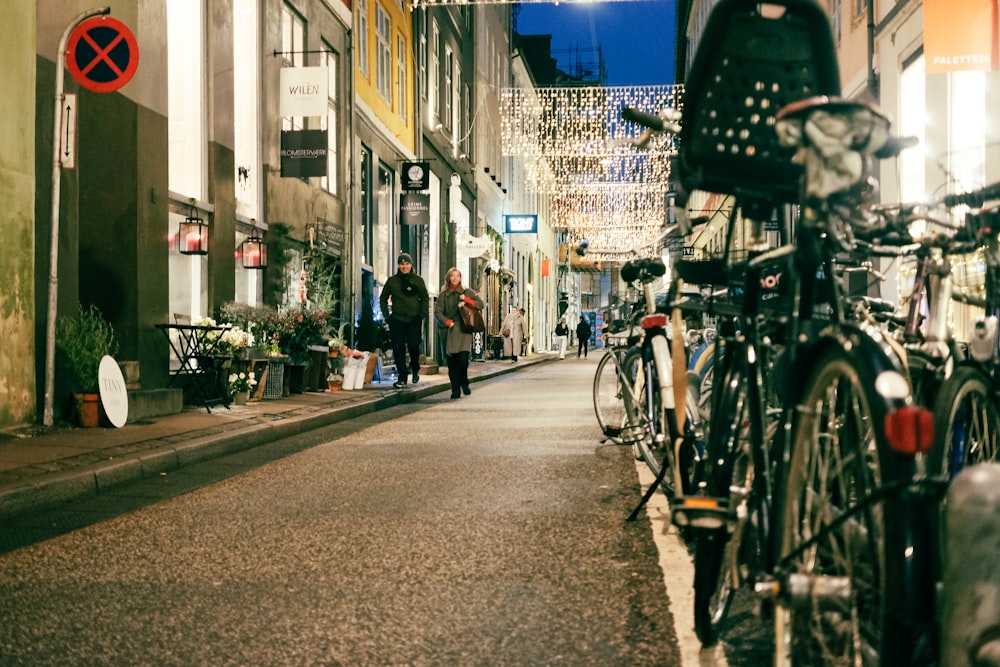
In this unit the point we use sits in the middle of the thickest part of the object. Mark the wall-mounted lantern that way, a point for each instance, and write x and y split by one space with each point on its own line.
192 234
254 250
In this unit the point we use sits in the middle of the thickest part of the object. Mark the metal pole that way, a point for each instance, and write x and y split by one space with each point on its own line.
50 325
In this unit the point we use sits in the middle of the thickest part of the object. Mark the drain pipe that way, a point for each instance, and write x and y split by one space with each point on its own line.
50 325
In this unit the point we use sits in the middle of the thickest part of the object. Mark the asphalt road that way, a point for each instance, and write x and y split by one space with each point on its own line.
482 531
487 530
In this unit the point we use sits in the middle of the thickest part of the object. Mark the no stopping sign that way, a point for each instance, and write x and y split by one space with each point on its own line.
102 54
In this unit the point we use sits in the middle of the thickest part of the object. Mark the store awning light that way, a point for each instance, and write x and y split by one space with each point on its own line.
254 250
192 235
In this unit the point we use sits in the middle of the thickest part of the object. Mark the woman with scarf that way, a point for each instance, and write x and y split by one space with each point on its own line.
458 344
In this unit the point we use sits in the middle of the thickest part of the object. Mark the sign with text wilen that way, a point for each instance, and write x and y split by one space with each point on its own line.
303 153
304 91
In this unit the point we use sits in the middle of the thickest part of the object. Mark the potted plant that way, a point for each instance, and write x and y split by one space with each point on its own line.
240 385
82 340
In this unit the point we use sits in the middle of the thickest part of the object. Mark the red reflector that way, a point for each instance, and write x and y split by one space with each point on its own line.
910 430
654 320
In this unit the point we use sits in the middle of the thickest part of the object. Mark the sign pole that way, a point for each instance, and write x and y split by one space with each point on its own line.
50 325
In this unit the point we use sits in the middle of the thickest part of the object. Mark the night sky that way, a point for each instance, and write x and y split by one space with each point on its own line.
638 38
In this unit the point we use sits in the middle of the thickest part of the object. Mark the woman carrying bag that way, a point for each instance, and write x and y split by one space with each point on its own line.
457 344
517 330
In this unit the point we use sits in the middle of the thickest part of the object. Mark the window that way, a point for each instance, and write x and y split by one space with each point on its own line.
187 275
362 9
186 87
293 32
246 141
446 106
836 12
331 61
401 82
860 8
433 92
422 55
383 76
246 93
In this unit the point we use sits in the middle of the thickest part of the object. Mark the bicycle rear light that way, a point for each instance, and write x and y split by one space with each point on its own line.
910 430
655 320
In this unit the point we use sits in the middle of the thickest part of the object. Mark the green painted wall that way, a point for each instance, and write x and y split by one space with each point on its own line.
17 217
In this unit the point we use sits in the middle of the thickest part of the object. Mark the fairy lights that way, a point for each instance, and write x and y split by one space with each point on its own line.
579 151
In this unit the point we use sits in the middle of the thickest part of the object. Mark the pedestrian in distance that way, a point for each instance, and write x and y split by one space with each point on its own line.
583 332
404 302
517 329
458 344
562 337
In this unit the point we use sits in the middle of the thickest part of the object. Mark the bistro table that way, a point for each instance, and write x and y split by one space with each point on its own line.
194 346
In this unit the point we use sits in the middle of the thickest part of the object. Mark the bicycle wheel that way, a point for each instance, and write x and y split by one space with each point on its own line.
967 423
654 441
718 554
833 464
609 402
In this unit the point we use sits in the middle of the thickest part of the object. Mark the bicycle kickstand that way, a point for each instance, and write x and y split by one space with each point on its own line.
650 491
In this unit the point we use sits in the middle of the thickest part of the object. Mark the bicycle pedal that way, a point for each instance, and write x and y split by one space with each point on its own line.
702 512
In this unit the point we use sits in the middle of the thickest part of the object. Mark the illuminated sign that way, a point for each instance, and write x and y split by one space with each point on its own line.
521 224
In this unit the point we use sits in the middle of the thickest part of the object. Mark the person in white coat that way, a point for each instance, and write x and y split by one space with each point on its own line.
562 337
517 329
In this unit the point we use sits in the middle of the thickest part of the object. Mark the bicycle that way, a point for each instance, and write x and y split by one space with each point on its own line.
635 397
806 496
610 390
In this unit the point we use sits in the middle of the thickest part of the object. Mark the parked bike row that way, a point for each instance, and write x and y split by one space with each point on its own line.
807 442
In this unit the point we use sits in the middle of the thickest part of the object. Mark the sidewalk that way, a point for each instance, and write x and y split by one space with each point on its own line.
41 467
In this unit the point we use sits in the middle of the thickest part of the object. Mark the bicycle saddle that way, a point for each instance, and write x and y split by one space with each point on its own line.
643 269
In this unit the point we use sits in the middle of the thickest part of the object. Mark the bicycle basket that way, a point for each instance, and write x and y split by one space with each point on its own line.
749 64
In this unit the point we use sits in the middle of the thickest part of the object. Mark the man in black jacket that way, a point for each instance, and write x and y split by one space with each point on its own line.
407 293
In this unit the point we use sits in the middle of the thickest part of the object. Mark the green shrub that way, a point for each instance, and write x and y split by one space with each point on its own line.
82 341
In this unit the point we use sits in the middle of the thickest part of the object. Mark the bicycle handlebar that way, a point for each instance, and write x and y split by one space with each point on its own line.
974 198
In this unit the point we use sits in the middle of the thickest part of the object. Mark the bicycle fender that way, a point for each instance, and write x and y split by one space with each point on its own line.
876 357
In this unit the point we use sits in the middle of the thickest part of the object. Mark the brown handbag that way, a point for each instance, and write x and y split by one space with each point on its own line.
471 319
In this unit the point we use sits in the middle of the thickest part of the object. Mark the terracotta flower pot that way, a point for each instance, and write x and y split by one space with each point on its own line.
88 409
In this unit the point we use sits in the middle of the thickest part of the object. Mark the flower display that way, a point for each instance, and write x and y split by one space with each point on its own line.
241 382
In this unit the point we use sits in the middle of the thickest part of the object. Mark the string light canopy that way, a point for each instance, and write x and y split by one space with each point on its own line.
577 150
447 3
254 250
192 234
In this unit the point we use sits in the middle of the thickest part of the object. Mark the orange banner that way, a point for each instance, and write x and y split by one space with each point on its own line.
960 35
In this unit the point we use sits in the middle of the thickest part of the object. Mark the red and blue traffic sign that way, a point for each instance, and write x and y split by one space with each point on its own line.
102 54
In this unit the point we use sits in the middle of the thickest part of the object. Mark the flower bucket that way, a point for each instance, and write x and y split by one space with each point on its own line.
241 397
359 379
352 369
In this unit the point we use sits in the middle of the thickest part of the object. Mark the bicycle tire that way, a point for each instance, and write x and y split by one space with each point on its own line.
835 460
967 423
609 401
715 549
655 419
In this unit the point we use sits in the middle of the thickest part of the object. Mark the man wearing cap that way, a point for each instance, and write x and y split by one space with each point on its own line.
407 294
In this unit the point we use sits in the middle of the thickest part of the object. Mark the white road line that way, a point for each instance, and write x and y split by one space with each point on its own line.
678 578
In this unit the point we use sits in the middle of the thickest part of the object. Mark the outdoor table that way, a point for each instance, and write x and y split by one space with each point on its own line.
194 347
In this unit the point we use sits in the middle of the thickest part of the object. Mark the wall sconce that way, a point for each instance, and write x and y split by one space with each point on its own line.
192 234
254 250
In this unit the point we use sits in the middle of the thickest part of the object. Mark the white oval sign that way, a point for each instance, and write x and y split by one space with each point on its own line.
114 395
